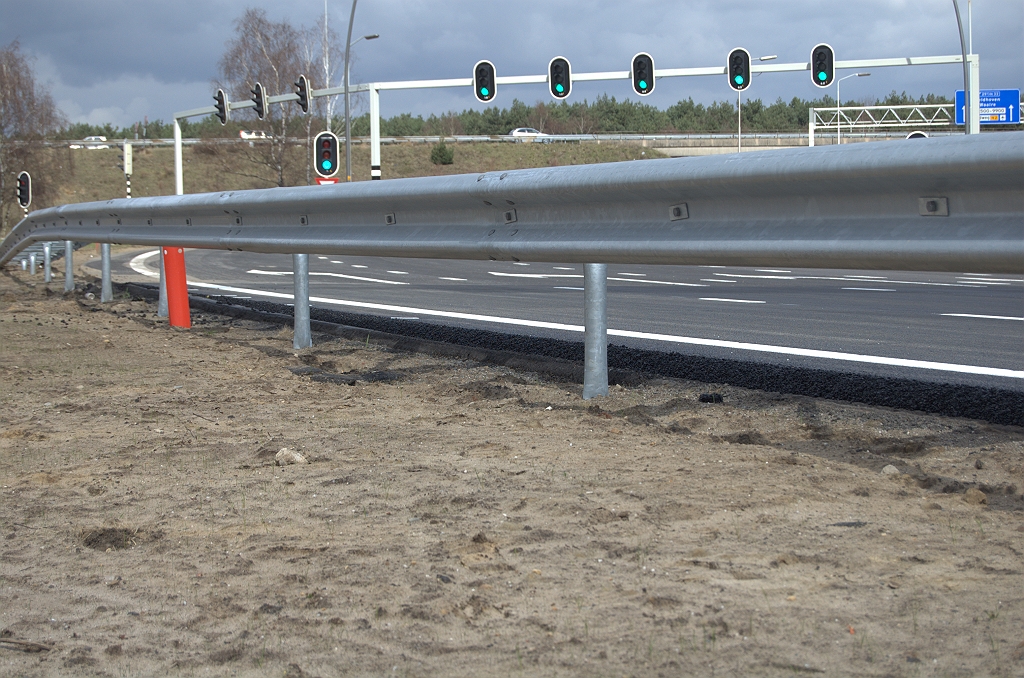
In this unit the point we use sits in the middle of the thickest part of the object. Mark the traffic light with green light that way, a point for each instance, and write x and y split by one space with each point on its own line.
485 84
739 69
325 154
642 72
560 77
823 65
24 189
221 104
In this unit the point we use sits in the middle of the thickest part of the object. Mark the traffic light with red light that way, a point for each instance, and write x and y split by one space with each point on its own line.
325 154
642 72
24 189
485 84
560 77
739 69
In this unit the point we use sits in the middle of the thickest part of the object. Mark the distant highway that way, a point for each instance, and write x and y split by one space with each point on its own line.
959 328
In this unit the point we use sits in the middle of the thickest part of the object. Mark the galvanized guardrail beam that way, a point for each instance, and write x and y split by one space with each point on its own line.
934 204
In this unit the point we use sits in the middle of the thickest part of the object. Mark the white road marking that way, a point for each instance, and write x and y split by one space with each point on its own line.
743 346
333 261
735 301
988 317
519 263
822 277
535 275
973 278
570 288
256 271
359 266
866 277
455 279
716 280
770 270
983 282
657 282
762 277
563 268
868 289
138 264
399 272
324 258
639 275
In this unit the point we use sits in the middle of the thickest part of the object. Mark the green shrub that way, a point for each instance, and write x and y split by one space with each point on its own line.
442 154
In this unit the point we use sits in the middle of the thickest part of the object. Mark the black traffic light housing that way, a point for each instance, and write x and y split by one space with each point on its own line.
560 77
823 65
485 84
642 72
260 101
325 154
221 104
738 69
24 189
302 90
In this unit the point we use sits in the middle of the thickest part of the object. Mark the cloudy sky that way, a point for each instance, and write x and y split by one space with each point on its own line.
118 60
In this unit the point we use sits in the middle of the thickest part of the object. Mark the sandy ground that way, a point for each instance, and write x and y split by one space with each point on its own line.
461 519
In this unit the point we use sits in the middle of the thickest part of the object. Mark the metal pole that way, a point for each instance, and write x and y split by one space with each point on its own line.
595 313
179 189
374 132
839 124
106 289
348 121
810 128
47 272
162 310
32 263
301 335
739 121
975 101
968 113
69 272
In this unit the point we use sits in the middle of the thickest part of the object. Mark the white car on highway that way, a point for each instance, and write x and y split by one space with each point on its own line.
523 133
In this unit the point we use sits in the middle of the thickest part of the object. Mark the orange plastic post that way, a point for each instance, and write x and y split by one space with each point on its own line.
177 287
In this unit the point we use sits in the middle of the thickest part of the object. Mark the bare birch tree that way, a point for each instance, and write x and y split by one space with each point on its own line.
27 117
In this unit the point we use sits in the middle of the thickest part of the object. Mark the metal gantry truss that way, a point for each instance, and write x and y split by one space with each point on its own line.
876 117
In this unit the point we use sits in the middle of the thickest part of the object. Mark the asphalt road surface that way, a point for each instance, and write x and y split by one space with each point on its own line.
957 328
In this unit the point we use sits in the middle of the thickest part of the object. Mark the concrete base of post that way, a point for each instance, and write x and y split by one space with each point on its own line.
69 266
595 313
106 288
302 337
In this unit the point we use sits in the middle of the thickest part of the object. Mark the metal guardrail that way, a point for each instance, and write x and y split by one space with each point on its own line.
934 204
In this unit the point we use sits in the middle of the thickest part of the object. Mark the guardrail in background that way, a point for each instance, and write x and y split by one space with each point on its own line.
932 204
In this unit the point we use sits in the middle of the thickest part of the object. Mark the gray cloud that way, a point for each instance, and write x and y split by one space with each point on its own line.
116 61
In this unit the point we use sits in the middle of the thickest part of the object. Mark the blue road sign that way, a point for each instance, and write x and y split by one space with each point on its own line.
998 106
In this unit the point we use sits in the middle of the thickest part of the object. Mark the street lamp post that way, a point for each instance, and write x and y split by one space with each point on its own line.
348 114
839 122
739 108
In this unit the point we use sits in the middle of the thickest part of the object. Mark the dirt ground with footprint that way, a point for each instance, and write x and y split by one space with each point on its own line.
464 519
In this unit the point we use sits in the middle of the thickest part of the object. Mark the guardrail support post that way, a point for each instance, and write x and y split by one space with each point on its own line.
595 314
161 303
47 272
32 263
301 336
69 266
106 289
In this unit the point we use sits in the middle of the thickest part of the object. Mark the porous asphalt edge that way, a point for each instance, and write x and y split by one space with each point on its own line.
564 359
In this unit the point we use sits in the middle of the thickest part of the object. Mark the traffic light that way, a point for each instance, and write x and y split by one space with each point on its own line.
126 159
560 77
823 65
24 189
739 69
221 103
302 89
325 154
642 72
485 84
258 99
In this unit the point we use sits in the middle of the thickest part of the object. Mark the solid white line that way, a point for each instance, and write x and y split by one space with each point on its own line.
977 280
735 301
569 288
983 282
714 280
866 277
639 275
535 275
761 277
988 317
868 289
138 264
771 270
256 271
455 279
563 268
848 279
762 348
658 282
